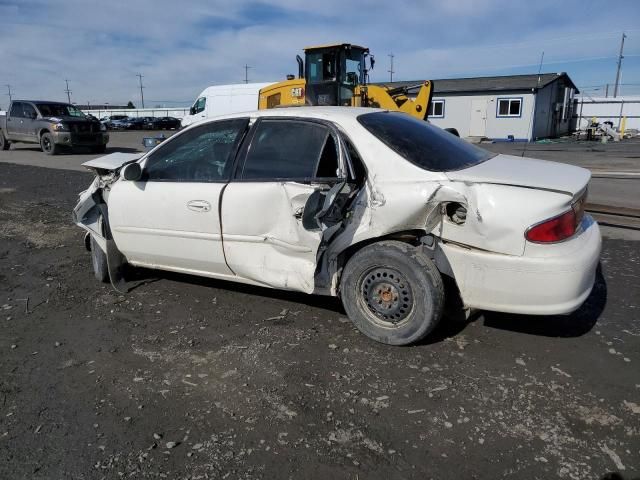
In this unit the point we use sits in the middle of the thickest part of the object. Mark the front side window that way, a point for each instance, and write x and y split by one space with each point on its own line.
509 107
199 105
291 149
202 154
422 144
436 109
29 111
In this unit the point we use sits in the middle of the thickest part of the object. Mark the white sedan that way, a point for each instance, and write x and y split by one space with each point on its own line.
369 205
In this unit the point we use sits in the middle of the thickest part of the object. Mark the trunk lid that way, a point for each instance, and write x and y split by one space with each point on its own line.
526 172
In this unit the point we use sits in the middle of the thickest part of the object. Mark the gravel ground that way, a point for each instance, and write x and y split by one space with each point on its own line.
194 378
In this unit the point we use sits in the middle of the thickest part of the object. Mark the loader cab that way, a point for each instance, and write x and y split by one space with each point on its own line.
332 73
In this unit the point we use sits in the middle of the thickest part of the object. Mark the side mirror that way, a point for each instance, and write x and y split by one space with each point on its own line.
33 115
192 111
132 172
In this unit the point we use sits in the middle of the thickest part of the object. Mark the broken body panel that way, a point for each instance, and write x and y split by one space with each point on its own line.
493 264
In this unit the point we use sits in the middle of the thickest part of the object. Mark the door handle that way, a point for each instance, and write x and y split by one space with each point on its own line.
199 205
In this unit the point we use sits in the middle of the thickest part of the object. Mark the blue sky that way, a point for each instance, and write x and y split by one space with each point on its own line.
182 47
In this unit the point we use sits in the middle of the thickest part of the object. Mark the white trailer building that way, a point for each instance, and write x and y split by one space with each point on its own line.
514 107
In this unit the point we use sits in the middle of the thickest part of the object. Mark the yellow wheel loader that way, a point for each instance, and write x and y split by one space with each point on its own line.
337 75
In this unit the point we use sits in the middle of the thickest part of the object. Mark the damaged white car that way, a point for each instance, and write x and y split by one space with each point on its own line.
369 205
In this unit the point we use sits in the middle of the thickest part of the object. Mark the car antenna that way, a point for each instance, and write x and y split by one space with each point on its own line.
534 112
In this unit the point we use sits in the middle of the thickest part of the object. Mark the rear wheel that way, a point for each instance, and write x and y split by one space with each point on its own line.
392 292
47 144
4 143
99 262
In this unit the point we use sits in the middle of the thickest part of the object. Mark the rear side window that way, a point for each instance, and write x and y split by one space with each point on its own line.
16 109
422 144
290 149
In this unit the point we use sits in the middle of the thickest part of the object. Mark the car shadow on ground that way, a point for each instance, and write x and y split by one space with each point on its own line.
137 277
575 324
455 319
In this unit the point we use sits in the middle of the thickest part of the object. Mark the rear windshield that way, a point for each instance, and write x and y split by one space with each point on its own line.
425 145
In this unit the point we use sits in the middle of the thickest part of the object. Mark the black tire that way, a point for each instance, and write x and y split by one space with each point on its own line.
99 262
4 143
47 144
99 149
452 131
392 292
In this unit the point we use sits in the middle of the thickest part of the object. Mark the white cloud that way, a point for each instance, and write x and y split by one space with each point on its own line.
181 47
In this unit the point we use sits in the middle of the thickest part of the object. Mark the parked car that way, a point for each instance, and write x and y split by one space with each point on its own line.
372 206
137 123
164 123
52 125
110 121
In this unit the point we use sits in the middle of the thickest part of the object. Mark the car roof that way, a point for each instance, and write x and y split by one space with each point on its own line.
324 113
42 102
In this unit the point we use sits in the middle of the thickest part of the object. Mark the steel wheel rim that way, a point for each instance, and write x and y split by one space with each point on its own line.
387 295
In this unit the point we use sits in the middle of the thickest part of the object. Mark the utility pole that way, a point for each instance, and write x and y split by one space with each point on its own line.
620 57
246 73
391 72
68 92
139 75
9 88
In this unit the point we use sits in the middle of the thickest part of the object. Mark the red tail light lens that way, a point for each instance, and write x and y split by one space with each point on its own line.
553 230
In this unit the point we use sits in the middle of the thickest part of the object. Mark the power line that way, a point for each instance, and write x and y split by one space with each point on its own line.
139 75
68 91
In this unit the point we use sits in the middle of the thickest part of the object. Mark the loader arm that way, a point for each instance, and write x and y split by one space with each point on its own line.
396 99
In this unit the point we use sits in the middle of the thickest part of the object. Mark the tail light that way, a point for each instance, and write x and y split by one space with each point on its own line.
561 227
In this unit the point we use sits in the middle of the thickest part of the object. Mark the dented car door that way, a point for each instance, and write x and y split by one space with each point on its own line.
287 179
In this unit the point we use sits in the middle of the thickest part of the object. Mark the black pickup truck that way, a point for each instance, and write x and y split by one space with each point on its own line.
52 125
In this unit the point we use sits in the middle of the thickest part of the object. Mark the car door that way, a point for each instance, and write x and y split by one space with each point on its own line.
15 122
30 123
170 218
271 211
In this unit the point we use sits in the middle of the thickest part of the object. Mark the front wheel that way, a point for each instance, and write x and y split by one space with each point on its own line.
47 144
99 262
392 292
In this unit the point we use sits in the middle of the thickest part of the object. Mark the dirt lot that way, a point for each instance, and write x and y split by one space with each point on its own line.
192 378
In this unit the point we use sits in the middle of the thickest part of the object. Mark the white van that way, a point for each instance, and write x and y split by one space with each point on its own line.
224 99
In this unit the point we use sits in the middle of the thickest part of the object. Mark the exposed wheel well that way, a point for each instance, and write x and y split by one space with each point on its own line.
412 237
42 132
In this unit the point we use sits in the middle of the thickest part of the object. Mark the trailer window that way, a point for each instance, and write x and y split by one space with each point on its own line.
422 144
509 107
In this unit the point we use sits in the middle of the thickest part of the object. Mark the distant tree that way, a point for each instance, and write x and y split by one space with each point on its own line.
130 104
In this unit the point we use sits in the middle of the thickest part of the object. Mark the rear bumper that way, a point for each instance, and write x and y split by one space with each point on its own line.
546 280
